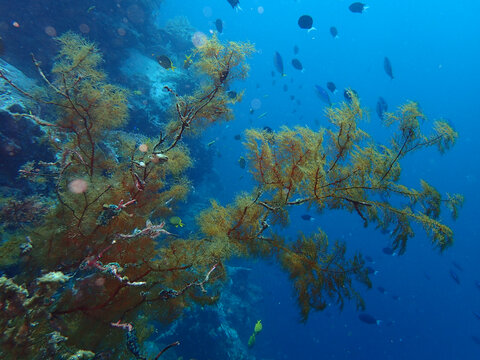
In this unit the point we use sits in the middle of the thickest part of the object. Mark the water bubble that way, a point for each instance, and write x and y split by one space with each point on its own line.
207 11
256 104
78 186
50 31
260 10
199 39
84 28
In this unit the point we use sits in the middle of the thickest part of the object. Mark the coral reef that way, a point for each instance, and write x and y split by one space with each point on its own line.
102 262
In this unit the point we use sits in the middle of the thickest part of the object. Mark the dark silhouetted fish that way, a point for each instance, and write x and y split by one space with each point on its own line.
347 95
455 277
331 86
307 217
382 289
322 94
237 137
278 62
477 284
371 270
285 87
305 22
235 4
334 32
476 339
369 319
268 129
477 315
296 49
357 7
387 66
395 297
242 162
219 25
165 62
232 94
389 251
457 265
297 64
369 258
382 107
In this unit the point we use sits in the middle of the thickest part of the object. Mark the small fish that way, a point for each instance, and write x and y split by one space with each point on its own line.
331 86
278 62
305 22
322 94
369 258
347 94
387 66
235 4
395 297
477 315
165 62
242 162
382 289
477 284
232 94
219 25
210 143
382 107
369 319
187 62
296 49
334 32
458 266
268 129
285 87
262 115
137 92
91 8
237 137
371 270
307 217
455 277
297 64
476 339
389 251
358 7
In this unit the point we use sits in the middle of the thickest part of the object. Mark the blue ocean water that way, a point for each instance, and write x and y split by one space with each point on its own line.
433 48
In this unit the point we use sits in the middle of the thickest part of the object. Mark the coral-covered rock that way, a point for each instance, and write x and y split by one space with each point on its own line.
19 137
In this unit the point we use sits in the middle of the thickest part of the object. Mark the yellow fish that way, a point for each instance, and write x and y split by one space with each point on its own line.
187 62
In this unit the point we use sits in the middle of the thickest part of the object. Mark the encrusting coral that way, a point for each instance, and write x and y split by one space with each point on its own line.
101 262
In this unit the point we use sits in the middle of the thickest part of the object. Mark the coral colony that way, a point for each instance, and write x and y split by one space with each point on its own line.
97 261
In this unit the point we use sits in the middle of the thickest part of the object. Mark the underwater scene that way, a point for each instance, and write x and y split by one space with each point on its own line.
239 179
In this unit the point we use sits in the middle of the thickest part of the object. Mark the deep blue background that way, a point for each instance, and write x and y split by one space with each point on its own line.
434 50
